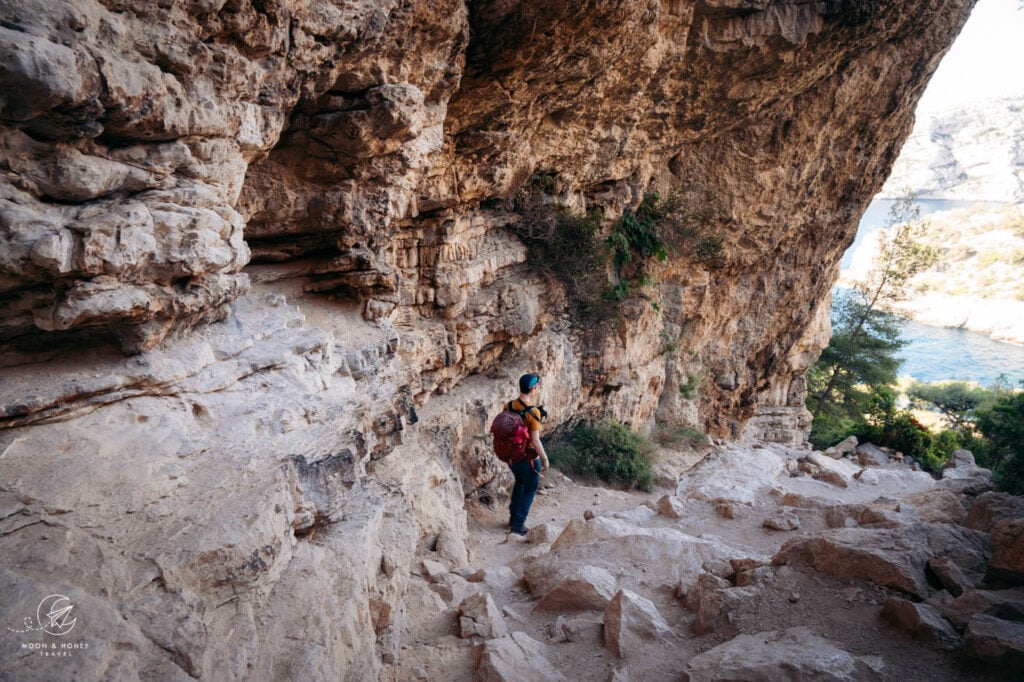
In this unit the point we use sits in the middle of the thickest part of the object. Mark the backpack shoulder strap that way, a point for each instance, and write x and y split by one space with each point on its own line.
537 411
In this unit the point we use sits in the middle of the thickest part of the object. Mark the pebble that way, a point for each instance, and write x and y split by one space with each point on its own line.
794 597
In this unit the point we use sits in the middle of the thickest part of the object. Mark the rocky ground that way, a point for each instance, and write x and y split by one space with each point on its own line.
763 563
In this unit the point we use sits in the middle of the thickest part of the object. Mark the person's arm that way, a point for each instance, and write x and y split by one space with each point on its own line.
539 449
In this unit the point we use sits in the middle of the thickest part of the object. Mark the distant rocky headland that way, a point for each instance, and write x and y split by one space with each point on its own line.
977 283
968 153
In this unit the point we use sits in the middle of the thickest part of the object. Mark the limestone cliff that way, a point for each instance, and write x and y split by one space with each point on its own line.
294 215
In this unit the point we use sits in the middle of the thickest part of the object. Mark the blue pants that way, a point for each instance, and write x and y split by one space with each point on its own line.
527 473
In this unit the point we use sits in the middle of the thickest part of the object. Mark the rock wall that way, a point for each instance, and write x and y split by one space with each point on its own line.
259 298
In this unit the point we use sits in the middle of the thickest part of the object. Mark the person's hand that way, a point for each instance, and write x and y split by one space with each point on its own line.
544 465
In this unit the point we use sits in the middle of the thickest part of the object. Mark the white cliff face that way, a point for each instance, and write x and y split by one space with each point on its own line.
292 216
969 153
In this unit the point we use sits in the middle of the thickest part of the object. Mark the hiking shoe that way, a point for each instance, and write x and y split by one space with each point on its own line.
521 530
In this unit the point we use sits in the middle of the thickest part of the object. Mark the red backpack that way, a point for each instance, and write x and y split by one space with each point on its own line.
510 434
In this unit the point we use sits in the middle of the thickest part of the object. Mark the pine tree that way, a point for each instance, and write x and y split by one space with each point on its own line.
860 359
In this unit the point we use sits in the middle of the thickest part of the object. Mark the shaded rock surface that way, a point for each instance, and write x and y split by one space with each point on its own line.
995 639
922 621
794 654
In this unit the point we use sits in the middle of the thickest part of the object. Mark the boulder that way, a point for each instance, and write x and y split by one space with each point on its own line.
843 447
543 533
639 515
949 575
671 506
494 578
922 621
937 506
1007 604
733 474
970 550
479 617
883 556
452 548
868 477
658 556
569 629
618 675
804 501
710 599
961 458
869 455
991 507
630 619
784 519
576 588
452 588
793 654
893 557
839 472
877 515
1007 561
994 639
761 575
967 480
514 658
435 571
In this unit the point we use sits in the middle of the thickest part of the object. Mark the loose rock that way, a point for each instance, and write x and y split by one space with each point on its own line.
1008 550
922 621
670 506
994 639
629 619
515 658
479 616
784 519
949 575
764 656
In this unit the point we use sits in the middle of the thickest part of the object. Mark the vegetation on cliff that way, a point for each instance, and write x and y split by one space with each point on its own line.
603 262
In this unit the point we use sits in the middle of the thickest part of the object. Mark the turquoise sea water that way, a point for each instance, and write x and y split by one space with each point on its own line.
939 353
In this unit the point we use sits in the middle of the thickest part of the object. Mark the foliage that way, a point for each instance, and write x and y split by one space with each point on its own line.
1002 425
903 433
568 247
609 452
690 388
859 361
859 365
957 401
679 435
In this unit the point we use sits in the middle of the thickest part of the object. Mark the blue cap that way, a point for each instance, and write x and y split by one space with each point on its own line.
527 382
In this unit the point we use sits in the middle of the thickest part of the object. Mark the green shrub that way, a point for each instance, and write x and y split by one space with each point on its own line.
691 387
827 429
1002 425
903 433
568 247
679 435
609 452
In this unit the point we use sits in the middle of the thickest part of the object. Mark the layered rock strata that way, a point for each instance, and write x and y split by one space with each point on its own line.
293 216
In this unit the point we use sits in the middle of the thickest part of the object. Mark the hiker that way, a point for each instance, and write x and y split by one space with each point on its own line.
527 470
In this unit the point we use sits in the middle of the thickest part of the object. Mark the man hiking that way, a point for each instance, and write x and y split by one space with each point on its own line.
527 470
